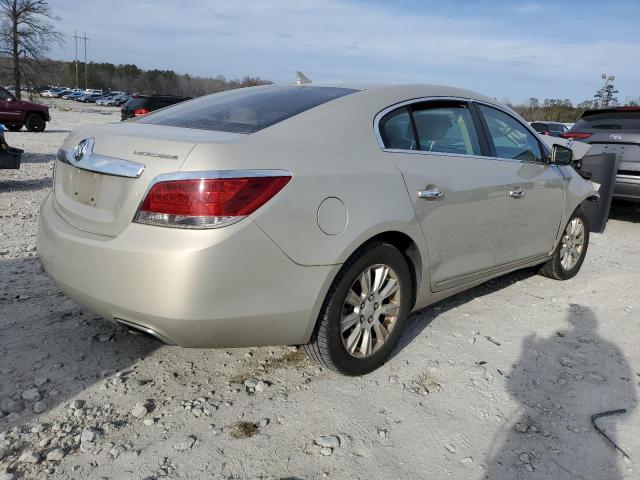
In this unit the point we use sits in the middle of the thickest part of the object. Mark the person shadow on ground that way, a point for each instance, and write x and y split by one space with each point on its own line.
560 382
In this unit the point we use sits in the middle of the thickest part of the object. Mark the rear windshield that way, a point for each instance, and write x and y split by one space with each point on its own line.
245 110
135 103
610 121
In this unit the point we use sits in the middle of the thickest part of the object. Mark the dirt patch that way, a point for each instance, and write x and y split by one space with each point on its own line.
243 429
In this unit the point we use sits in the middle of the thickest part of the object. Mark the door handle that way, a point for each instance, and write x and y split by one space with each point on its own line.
518 193
430 195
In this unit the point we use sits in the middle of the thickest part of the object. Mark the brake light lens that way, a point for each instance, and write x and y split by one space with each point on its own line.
140 111
207 202
576 135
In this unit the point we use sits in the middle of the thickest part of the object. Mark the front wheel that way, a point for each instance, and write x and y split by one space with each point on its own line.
14 128
568 256
364 311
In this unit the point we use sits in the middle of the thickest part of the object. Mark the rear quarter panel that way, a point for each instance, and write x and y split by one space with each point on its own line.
331 151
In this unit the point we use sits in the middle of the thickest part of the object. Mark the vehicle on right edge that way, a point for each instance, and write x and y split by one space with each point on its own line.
618 129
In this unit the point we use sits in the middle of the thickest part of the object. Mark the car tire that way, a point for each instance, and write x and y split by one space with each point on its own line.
572 248
35 122
13 128
338 339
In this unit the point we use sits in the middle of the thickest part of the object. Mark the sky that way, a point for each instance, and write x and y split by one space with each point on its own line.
504 49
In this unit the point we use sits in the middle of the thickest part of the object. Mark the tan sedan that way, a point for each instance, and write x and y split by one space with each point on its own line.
319 215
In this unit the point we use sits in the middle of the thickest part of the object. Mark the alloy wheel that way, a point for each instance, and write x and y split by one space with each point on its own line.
370 310
572 244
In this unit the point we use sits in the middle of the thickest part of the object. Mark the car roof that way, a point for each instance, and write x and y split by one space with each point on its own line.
409 89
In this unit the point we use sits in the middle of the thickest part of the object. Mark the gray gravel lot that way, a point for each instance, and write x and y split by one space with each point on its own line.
499 382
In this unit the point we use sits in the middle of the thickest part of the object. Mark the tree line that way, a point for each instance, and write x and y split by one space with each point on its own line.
127 78
562 110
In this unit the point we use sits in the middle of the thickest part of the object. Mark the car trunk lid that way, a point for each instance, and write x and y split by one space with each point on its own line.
99 192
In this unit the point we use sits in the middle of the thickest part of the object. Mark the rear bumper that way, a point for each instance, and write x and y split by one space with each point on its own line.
627 187
226 287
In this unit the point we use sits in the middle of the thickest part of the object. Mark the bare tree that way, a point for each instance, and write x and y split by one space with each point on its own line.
26 33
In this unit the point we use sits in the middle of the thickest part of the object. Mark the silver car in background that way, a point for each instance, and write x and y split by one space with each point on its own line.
316 215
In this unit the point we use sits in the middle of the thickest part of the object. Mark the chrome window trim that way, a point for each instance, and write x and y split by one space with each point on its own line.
208 175
390 108
93 162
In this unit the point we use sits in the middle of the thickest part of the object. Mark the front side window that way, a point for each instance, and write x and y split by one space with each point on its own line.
510 138
5 95
446 129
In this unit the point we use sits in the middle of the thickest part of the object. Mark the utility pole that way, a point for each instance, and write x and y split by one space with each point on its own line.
85 39
75 37
85 60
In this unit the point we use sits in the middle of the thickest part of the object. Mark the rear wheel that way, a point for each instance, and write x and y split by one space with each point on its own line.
568 256
35 122
13 128
364 312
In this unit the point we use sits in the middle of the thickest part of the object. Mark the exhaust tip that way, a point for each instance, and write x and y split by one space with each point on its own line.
135 329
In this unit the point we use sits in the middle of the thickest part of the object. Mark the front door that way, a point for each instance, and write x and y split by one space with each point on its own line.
535 188
458 194
9 108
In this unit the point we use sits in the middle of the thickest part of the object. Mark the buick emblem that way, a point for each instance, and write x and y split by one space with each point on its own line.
80 150
615 136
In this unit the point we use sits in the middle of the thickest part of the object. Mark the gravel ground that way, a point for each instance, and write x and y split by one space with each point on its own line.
499 382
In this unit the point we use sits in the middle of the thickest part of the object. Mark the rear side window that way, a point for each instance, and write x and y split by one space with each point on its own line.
539 126
510 138
609 120
396 130
245 110
446 129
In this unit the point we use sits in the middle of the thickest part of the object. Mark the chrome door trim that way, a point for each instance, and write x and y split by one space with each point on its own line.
93 162
480 274
517 193
430 195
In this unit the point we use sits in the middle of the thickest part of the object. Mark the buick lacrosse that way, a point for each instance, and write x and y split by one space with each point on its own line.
315 215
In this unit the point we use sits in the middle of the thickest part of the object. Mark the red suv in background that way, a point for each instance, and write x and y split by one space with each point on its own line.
15 113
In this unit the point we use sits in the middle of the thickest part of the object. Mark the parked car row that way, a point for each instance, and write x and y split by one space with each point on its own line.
89 95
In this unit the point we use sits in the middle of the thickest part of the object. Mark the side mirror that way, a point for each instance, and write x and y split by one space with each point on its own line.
561 155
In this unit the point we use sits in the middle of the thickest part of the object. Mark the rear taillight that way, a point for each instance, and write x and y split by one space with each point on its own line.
207 202
140 111
546 133
576 135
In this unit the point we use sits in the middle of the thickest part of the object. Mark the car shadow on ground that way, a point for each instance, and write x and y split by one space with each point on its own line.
47 130
49 343
625 211
28 157
559 382
421 319
9 185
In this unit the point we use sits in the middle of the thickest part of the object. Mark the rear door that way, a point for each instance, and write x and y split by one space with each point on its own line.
458 194
535 188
